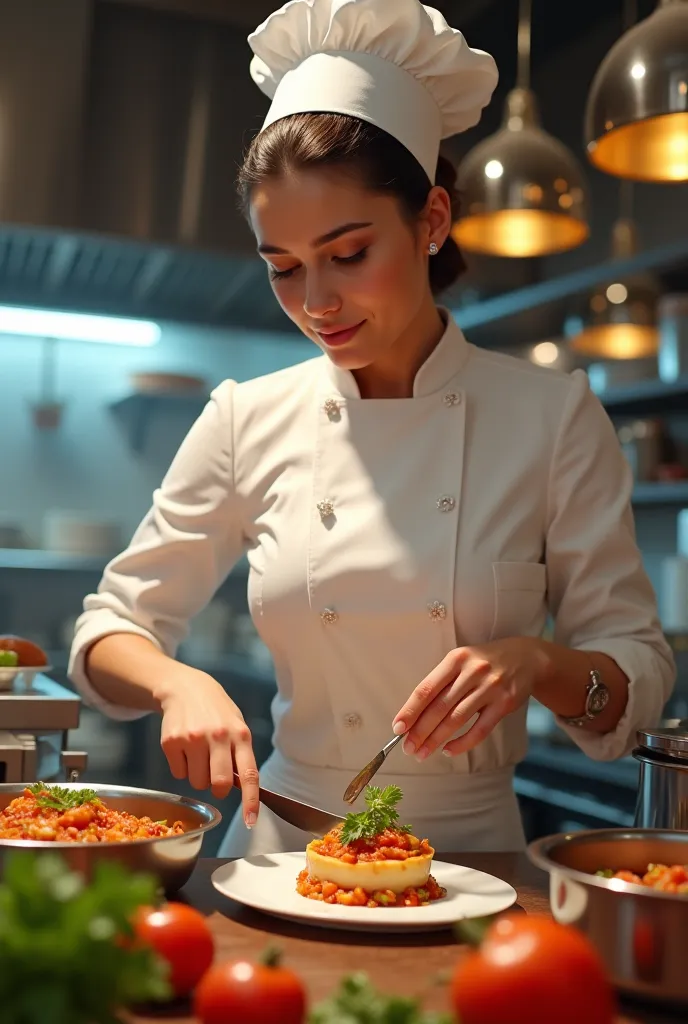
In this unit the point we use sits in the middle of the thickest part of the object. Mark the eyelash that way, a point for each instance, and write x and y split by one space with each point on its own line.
277 275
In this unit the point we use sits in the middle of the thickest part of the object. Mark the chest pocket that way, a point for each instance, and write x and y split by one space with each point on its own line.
520 590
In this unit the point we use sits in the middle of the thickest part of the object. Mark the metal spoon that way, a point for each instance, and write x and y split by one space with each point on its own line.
358 784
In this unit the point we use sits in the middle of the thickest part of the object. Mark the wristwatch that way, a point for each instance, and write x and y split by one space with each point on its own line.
596 700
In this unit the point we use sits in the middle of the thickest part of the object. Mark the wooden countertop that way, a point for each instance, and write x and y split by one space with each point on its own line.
321 957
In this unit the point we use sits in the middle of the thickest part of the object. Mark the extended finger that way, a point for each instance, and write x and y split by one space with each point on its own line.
221 763
488 718
247 771
426 691
461 712
198 761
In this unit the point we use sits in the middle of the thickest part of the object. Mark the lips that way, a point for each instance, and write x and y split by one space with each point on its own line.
333 336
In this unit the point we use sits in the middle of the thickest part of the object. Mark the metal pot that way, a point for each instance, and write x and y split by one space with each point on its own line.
640 933
663 784
170 859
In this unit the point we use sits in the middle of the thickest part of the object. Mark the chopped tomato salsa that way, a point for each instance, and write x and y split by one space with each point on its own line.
328 892
388 845
664 877
26 817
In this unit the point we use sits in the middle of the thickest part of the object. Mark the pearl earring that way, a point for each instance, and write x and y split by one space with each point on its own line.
433 248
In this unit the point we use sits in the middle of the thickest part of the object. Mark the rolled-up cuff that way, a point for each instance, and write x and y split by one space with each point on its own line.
104 624
650 681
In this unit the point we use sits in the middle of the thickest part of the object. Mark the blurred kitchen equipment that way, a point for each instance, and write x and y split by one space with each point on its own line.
167 383
674 594
619 372
639 932
643 444
210 635
171 858
673 337
663 783
11 534
36 719
304 816
77 533
682 533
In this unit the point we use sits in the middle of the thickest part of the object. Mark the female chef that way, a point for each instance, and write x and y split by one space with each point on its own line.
412 507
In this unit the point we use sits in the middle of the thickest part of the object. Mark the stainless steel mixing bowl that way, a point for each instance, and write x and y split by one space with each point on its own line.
641 933
170 859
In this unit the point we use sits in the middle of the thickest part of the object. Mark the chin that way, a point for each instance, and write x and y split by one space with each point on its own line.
348 360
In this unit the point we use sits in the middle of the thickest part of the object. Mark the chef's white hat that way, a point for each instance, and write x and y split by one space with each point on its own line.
394 63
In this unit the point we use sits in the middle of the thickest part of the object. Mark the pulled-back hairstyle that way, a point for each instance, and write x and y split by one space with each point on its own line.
349 145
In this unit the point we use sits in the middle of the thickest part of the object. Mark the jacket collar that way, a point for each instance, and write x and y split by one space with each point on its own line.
441 366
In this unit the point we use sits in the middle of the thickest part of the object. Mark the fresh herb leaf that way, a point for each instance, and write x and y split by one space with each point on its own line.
358 1002
64 954
61 798
381 814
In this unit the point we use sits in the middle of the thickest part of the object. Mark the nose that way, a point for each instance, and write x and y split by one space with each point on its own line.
320 300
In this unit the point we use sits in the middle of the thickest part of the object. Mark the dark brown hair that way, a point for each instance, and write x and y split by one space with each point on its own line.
355 147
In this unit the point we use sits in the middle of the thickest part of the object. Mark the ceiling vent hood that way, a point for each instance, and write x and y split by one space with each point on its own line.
122 123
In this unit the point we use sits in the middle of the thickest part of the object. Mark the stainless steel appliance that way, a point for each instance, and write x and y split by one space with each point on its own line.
639 932
663 784
35 721
170 858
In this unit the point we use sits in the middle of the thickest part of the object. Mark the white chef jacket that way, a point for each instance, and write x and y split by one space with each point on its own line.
381 534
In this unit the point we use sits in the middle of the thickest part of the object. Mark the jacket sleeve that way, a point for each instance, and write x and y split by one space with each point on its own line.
179 555
600 596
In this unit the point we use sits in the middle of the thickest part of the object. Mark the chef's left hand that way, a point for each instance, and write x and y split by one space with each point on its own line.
490 680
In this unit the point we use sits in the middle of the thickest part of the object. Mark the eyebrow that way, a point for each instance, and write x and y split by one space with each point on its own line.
329 236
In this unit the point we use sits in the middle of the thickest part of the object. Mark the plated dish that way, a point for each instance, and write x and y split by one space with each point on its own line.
60 815
20 659
371 860
369 873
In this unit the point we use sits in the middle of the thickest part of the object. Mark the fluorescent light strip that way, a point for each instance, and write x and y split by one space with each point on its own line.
52 323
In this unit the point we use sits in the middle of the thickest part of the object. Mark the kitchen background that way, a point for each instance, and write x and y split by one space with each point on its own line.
121 126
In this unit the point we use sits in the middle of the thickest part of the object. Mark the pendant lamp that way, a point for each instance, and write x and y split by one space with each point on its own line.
620 318
523 191
636 119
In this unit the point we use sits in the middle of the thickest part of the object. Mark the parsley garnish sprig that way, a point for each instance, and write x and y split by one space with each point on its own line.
66 955
60 798
358 1002
381 814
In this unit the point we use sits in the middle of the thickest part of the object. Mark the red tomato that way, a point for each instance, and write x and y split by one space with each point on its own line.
532 970
181 936
238 990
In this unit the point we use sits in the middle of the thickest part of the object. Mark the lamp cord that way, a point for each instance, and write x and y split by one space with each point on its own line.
524 43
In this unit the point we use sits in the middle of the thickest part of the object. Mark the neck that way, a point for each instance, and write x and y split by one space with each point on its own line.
393 375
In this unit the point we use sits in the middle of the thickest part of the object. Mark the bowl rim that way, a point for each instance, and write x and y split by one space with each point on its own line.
539 849
213 815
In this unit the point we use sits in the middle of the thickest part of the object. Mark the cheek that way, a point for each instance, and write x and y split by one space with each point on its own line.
389 280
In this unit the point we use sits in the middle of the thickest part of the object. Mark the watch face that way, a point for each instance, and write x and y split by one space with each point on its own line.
599 698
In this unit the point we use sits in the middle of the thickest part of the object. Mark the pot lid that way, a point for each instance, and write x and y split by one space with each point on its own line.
673 742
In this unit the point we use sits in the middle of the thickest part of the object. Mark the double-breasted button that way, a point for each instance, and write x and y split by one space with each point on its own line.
437 611
446 503
452 398
329 616
325 508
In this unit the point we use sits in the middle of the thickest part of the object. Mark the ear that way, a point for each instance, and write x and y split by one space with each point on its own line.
436 218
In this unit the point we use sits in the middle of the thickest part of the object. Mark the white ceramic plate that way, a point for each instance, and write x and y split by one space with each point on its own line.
268 883
23 673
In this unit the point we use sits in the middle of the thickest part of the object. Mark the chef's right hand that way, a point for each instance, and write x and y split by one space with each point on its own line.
204 736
